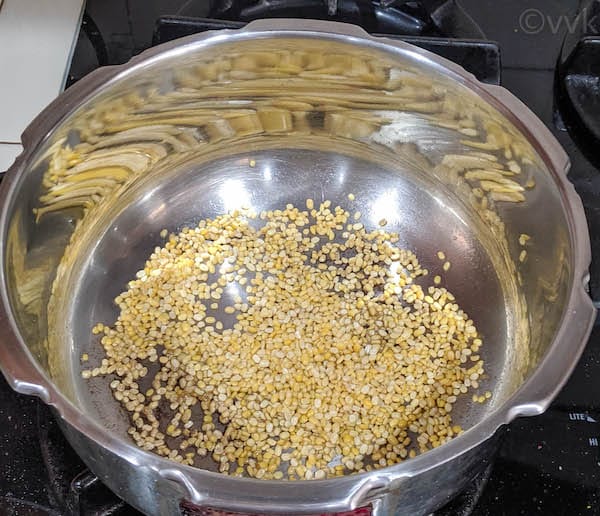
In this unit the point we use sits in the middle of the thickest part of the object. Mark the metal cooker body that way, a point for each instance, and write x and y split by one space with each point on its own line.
155 490
157 486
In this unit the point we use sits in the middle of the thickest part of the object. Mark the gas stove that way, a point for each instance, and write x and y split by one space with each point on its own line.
545 55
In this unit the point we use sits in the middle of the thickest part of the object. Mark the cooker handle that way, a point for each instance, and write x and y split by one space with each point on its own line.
277 24
365 500
18 364
370 494
541 388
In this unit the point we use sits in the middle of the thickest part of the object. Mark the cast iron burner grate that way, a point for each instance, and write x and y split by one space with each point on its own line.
409 17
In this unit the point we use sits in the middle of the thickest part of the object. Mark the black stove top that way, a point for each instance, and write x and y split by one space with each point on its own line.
550 59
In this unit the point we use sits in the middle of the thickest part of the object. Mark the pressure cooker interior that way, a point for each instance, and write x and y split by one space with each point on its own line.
263 123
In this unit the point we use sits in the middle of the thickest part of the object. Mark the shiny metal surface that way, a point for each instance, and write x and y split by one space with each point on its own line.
262 117
181 196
